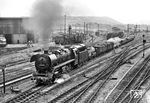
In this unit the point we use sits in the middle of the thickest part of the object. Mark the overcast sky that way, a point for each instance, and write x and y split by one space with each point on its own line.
125 11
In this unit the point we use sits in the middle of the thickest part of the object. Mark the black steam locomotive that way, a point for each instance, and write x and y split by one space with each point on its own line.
50 66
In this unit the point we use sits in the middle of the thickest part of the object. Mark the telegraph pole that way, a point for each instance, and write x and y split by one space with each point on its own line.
147 29
87 28
128 28
3 70
84 31
144 41
65 24
98 27
135 29
84 28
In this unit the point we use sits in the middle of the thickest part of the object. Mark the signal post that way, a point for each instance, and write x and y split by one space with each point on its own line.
144 41
3 71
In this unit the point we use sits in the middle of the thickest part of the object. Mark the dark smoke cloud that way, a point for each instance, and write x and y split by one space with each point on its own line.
45 14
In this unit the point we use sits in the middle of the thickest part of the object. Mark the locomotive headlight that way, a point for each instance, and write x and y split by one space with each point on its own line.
42 62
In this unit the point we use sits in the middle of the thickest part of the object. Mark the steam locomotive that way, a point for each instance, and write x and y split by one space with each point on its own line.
50 66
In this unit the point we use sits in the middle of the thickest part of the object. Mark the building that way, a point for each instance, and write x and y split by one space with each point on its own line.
13 30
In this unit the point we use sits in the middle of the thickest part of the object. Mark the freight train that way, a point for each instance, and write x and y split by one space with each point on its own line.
50 66
115 34
69 39
3 42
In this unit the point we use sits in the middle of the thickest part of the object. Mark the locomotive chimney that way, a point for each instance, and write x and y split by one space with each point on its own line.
45 50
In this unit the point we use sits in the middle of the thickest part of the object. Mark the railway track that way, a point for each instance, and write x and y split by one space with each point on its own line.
23 100
11 71
27 60
18 62
130 99
145 91
14 81
24 76
14 77
17 68
29 97
5 51
132 81
16 73
79 87
78 95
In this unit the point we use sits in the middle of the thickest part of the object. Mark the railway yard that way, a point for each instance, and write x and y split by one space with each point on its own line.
120 75
74 51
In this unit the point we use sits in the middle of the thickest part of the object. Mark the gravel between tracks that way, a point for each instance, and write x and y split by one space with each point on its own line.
123 69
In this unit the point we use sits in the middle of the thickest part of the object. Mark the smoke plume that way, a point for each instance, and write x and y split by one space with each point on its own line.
45 14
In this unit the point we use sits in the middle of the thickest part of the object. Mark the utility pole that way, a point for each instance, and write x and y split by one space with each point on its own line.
65 24
84 31
84 28
87 29
144 41
128 28
135 29
70 30
147 29
98 27
3 70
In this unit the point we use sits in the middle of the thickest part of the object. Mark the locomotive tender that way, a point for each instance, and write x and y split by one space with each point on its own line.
50 66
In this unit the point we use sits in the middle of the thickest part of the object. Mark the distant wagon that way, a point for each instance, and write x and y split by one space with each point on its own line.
69 39
115 34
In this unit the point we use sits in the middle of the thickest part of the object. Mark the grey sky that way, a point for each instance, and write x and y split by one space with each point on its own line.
125 11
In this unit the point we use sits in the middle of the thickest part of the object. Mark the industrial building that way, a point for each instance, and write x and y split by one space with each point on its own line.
13 30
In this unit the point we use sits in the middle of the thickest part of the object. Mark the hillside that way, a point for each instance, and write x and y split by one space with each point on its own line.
77 22
89 19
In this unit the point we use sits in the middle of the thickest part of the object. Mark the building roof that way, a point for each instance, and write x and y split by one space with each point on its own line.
13 18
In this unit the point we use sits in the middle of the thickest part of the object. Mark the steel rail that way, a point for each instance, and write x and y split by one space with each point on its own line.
98 77
144 78
118 96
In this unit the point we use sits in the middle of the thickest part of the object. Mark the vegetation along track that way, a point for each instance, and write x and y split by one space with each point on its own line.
132 81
